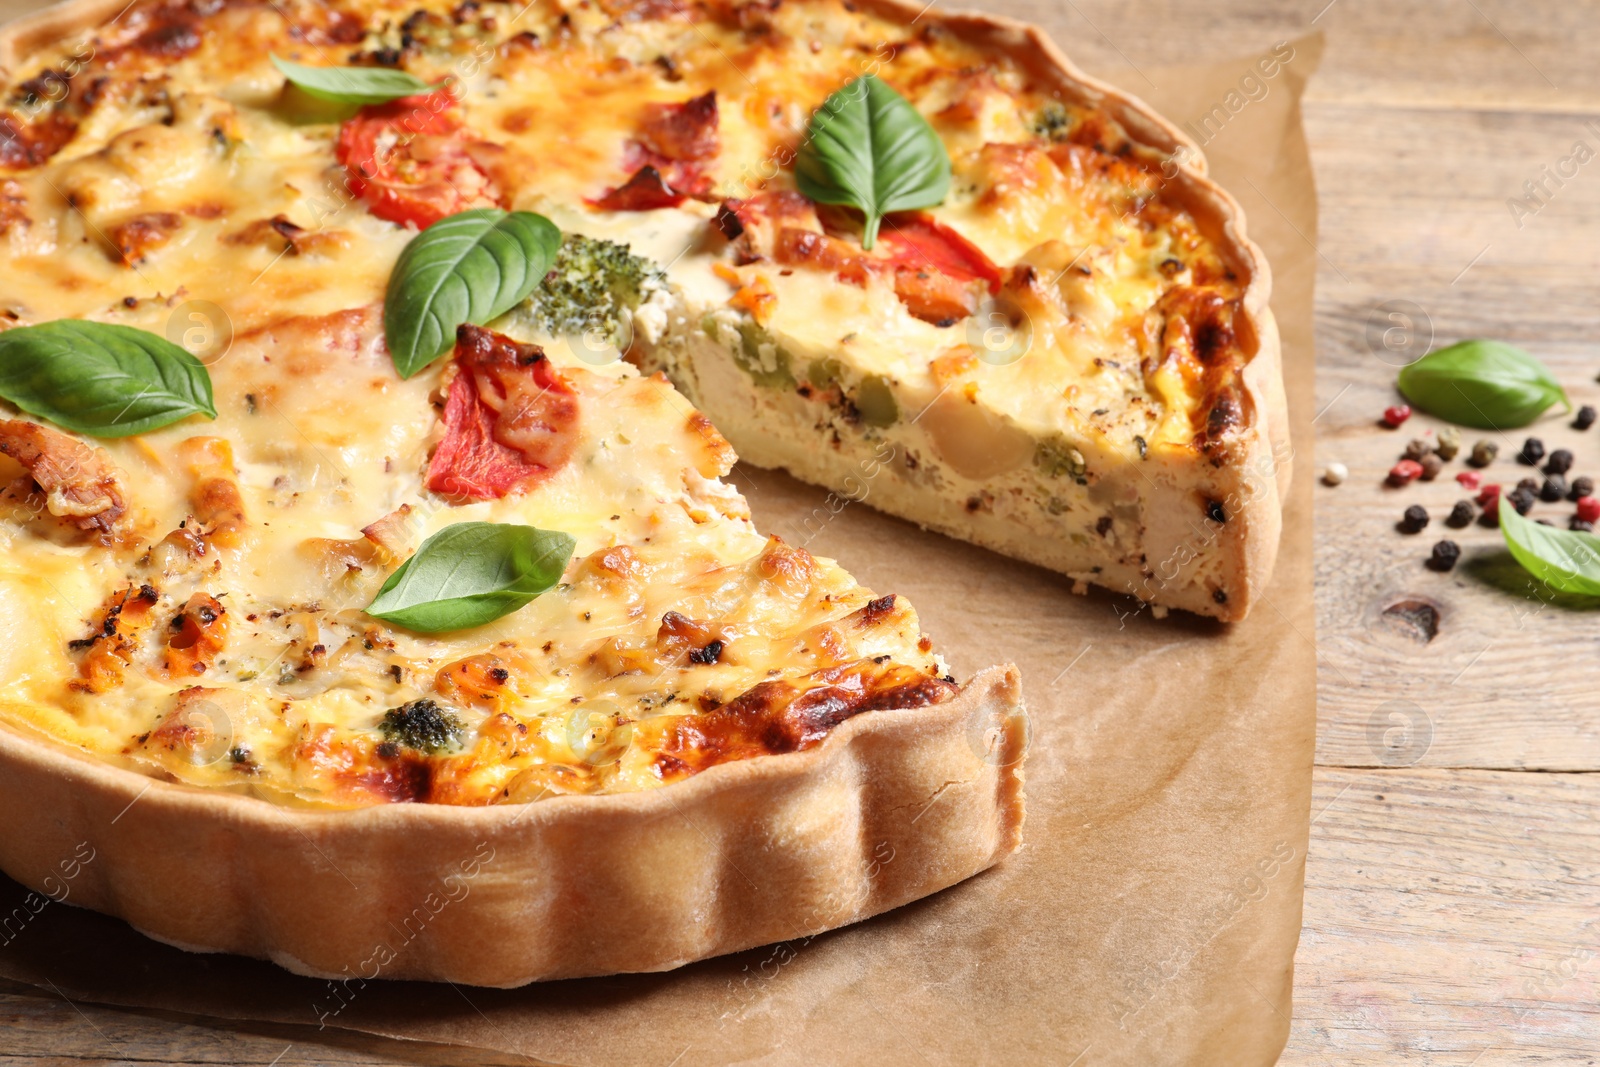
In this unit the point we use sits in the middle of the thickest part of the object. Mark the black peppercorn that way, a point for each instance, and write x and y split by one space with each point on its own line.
1585 418
1560 462
1554 488
1530 484
1578 525
1522 499
1581 486
1414 520
1532 452
1445 554
1461 514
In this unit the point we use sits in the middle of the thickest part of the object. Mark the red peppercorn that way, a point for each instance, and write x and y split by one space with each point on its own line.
1589 509
1490 492
1469 479
1393 417
1405 472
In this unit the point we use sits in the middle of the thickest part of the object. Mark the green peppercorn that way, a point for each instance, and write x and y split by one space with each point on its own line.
1483 453
1449 443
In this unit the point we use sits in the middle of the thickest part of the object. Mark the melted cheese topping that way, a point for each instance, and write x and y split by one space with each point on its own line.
171 181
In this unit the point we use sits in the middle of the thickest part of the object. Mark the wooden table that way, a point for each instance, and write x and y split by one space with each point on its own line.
1452 909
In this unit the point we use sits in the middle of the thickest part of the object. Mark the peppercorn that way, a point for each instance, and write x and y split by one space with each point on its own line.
1554 488
1449 443
1532 452
1522 499
1417 447
1415 520
1444 557
1469 479
1405 472
1582 486
1335 473
1560 462
1483 453
1461 514
1490 492
1394 416
1431 466
1585 418
1530 484
1577 525
1589 509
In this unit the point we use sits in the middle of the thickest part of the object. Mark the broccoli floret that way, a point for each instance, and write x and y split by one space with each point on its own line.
422 725
594 285
1052 122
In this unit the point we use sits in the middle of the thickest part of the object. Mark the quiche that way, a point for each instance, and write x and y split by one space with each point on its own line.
374 599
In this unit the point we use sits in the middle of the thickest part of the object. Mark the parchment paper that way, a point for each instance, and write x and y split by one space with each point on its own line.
1152 915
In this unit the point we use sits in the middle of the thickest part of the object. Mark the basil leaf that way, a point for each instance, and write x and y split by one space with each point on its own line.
472 573
101 379
471 267
868 148
352 85
1486 384
1565 560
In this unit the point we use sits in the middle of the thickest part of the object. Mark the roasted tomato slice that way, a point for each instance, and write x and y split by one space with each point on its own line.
510 419
407 160
921 242
666 161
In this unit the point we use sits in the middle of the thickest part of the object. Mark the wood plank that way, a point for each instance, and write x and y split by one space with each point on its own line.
38 1028
1497 677
1450 915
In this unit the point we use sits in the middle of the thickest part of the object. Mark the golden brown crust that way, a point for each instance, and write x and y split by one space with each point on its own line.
894 805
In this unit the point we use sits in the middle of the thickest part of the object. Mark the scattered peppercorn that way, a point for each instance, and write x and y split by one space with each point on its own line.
1444 557
1554 488
1394 416
1589 509
1581 487
1415 519
1530 484
1469 479
1483 453
1560 462
1431 466
1544 522
1449 443
1585 418
1335 473
1532 452
1418 447
1577 525
1405 472
1490 492
1522 499
1461 514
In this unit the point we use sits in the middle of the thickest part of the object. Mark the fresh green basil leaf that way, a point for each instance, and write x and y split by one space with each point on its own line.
1565 560
471 267
352 85
472 573
1486 384
868 148
101 379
